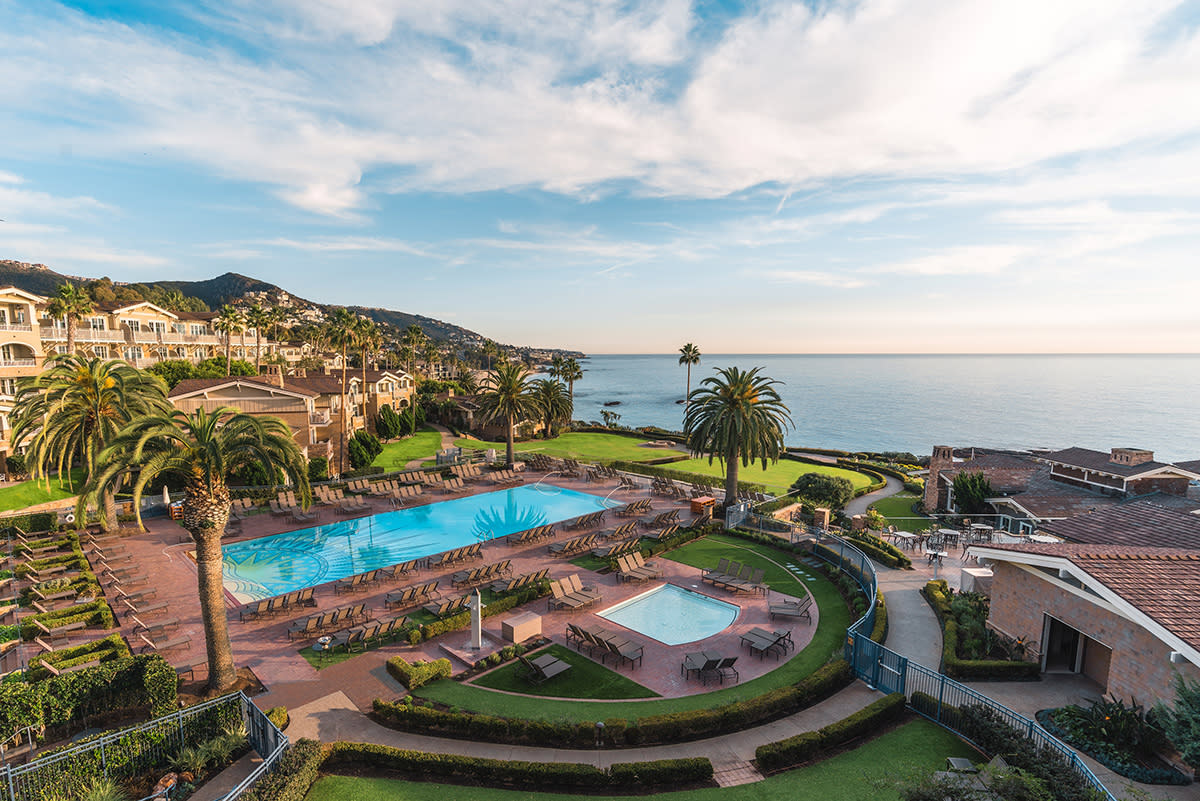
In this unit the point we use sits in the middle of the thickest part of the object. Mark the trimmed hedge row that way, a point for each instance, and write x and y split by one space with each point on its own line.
496 607
803 747
668 728
96 613
883 552
937 593
418 674
105 650
131 682
292 776
879 633
682 475
31 522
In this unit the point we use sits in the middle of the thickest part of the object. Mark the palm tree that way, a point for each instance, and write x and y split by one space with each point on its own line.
432 354
74 408
258 318
369 338
70 303
506 396
203 449
343 331
414 337
570 371
736 415
556 367
689 354
552 400
229 322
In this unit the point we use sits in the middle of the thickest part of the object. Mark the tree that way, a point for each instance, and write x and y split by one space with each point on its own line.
556 367
832 492
202 449
369 339
257 318
74 408
570 373
553 402
368 446
689 354
387 423
414 338
506 396
1181 721
610 417
343 332
70 303
971 490
172 371
736 415
229 322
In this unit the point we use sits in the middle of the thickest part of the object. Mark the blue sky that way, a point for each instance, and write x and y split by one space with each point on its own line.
871 176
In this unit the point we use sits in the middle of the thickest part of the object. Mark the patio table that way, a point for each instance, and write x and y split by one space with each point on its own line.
905 539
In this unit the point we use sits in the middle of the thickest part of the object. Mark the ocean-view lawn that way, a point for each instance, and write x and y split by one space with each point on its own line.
777 478
397 453
898 511
31 493
586 446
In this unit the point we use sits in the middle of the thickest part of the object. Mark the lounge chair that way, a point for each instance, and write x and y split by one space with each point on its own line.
543 668
699 664
799 608
761 642
562 598
161 645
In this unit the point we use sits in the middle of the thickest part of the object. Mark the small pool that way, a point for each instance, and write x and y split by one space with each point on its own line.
267 566
673 615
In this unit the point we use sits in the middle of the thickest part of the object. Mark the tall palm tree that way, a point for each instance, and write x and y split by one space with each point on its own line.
74 408
229 322
552 400
689 354
343 332
70 303
258 318
556 367
414 337
570 372
203 449
736 415
369 338
432 354
506 396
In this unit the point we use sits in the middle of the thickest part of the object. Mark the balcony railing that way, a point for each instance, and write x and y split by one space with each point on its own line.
18 362
15 327
319 419
52 333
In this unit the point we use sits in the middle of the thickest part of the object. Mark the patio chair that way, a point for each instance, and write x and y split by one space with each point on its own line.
161 645
629 651
762 642
143 610
543 668
561 598
577 589
305 629
699 664
787 608
726 669
155 628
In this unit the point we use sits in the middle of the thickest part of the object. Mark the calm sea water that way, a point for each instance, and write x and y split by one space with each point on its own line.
910 403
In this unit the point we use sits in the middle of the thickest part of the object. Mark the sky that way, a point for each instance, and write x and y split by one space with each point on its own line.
769 177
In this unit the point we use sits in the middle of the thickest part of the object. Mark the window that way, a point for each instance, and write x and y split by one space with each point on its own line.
101 351
179 328
132 354
61 350
157 325
132 325
198 329
20 315
96 323
8 386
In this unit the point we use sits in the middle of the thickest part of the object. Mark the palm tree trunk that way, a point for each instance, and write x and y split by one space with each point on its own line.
257 349
364 388
731 477
508 453
70 334
108 512
228 353
688 391
204 516
342 444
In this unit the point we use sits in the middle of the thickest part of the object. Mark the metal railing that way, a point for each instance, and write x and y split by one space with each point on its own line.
123 750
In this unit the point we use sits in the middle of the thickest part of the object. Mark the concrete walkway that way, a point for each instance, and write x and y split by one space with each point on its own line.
858 506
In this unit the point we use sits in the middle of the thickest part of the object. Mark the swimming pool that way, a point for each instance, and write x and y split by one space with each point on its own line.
268 566
672 615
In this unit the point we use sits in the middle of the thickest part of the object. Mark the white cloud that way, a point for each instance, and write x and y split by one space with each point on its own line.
347 244
967 260
815 277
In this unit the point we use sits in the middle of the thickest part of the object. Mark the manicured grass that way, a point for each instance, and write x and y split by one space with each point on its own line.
325 658
777 477
31 493
589 562
871 772
898 511
397 453
585 446
585 679
831 628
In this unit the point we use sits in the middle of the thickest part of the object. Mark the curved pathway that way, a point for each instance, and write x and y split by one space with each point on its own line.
858 506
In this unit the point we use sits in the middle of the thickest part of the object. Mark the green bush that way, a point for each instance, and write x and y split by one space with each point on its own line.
803 747
883 552
96 613
879 632
668 772
418 674
939 596
668 728
279 716
30 522
106 649
293 775
318 469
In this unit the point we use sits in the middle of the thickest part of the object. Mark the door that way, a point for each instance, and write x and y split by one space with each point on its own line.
1061 647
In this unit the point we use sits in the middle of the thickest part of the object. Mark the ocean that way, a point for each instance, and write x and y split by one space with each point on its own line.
911 403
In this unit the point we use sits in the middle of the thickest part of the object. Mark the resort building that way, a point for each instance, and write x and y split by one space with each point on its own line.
1031 490
1103 611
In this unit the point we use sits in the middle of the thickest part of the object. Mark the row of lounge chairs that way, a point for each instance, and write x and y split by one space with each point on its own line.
735 576
367 634
572 546
456 555
616 549
664 533
589 520
607 643
442 609
316 625
506 478
569 593
762 642
627 483
663 519
399 493
787 608
621 532
530 535
505 586
481 575
286 505
415 595
468 472
706 666
279 605
632 567
635 509
452 486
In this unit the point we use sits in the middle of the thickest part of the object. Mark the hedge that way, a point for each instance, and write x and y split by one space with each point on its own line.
279 716
883 552
692 770
31 522
128 683
418 674
879 633
681 475
104 650
668 728
937 593
803 747
96 613
292 776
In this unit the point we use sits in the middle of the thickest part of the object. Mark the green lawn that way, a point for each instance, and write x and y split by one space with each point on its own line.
422 445
898 511
591 447
585 679
871 772
777 477
31 493
831 628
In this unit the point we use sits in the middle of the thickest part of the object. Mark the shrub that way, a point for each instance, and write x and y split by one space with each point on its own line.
804 746
883 552
318 468
293 775
941 598
668 772
279 716
96 613
359 458
830 491
417 674
1181 720
15 465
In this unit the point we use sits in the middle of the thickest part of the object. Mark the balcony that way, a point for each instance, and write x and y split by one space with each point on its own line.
52 334
16 327
319 419
18 362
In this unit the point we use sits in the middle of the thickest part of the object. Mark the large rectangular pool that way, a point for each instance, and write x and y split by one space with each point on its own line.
268 566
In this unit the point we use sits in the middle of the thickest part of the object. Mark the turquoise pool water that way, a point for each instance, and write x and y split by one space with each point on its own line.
672 615
268 566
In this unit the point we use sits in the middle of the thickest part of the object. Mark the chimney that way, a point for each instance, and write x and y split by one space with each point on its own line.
1131 456
274 373
942 459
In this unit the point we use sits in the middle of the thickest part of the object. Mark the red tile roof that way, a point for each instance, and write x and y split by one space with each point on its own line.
1100 462
1135 523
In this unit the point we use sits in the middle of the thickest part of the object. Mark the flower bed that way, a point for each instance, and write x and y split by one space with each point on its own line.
1114 735
970 650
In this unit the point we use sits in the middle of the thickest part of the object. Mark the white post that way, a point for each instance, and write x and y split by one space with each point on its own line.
476 622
